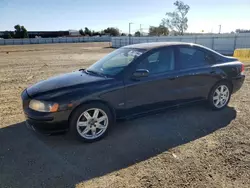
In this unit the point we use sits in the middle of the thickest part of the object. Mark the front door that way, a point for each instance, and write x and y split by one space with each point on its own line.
156 90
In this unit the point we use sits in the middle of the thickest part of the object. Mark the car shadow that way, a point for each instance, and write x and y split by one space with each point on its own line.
34 160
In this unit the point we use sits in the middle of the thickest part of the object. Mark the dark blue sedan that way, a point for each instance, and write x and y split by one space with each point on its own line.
131 81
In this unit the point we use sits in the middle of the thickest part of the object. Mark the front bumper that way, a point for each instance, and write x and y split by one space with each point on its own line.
238 82
44 122
46 126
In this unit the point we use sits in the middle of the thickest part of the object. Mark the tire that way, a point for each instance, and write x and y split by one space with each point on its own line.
218 100
91 122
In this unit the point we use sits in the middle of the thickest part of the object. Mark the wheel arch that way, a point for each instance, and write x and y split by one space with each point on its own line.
112 110
221 81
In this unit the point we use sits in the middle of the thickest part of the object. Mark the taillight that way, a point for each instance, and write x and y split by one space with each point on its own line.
242 67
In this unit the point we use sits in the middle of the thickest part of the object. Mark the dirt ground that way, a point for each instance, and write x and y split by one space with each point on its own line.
187 147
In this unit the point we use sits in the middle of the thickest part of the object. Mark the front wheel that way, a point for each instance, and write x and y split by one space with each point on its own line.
91 122
219 96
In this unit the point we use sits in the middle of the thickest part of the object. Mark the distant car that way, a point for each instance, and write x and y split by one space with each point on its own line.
131 80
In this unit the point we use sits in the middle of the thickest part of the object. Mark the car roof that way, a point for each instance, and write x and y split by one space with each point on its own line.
152 45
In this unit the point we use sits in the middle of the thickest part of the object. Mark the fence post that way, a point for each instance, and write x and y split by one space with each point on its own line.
213 43
235 39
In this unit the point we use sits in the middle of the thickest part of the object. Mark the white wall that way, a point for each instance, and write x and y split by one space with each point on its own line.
223 43
54 40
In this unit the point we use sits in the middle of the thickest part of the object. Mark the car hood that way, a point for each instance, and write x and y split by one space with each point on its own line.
67 80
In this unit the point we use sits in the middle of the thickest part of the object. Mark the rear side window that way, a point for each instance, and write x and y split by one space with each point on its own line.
191 57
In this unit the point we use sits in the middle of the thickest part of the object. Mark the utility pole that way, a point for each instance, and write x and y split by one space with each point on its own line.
130 32
219 29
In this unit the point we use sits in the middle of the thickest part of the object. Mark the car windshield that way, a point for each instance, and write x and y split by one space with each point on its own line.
115 62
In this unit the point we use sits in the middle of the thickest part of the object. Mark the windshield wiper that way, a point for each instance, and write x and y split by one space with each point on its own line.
95 73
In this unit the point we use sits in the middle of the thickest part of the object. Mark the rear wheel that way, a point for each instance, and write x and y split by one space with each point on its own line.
220 95
91 122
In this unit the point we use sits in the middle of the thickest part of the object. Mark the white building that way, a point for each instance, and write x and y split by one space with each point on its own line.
74 33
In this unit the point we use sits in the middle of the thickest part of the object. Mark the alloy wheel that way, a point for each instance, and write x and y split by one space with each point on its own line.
221 96
92 123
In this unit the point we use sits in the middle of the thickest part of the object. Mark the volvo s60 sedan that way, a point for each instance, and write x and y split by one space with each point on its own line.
131 81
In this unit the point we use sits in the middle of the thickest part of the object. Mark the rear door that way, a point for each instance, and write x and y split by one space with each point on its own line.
196 75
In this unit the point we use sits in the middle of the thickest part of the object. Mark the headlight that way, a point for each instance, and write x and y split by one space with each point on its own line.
42 106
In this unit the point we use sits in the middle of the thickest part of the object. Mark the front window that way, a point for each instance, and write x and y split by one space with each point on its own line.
159 62
116 61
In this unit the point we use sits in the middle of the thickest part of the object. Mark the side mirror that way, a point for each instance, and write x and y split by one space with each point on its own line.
140 73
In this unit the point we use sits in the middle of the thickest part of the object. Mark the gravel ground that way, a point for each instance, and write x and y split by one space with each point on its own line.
187 147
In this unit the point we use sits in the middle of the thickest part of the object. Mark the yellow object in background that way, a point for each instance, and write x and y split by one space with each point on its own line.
242 54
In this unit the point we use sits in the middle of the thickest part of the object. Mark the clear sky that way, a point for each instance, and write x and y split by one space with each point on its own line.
100 14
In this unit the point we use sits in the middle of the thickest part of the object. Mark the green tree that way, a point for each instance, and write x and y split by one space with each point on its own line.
81 32
96 33
87 31
242 31
123 34
177 20
161 30
8 35
17 31
20 32
137 34
24 32
112 31
152 31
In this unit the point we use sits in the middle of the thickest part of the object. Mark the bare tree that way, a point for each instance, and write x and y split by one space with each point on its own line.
177 20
